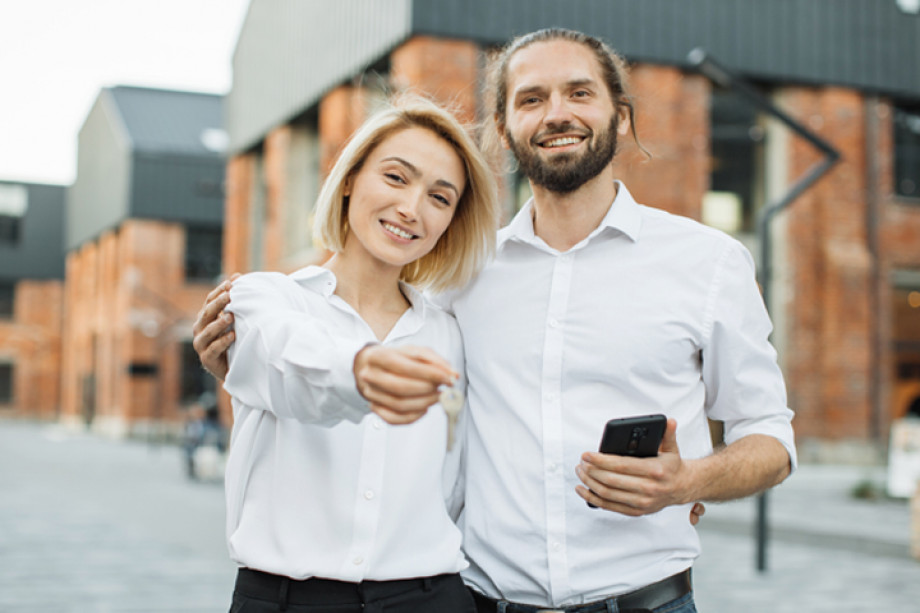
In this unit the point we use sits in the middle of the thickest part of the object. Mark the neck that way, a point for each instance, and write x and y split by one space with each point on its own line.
369 288
564 220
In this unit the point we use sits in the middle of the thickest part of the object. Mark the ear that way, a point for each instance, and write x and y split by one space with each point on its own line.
623 123
500 128
346 189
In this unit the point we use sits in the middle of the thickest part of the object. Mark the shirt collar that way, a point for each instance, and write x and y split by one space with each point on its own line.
322 281
623 216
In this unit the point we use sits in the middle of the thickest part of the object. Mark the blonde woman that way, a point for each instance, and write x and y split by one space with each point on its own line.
330 508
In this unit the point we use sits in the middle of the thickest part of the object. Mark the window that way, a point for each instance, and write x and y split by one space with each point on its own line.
737 150
14 200
6 383
907 150
7 292
203 249
906 328
195 379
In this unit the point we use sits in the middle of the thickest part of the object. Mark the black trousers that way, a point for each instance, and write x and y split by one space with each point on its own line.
258 592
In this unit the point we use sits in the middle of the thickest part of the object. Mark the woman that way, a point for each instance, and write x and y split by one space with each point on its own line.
335 510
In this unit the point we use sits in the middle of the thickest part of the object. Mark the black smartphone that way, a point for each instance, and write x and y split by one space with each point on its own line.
638 436
635 436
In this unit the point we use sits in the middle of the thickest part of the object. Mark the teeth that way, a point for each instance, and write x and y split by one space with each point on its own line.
398 232
562 142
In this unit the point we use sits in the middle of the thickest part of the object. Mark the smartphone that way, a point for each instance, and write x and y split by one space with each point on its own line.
633 436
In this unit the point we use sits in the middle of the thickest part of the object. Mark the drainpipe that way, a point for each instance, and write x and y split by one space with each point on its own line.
875 272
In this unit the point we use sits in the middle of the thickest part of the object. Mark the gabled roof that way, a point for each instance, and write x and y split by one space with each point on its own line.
167 121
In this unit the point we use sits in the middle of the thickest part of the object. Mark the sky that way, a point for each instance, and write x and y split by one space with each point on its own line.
56 55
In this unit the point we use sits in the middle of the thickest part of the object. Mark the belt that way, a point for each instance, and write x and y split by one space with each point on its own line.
645 598
284 590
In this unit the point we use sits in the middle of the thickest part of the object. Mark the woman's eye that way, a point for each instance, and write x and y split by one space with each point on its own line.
441 199
393 177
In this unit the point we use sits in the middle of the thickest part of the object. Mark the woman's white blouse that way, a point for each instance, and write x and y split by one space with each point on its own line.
316 484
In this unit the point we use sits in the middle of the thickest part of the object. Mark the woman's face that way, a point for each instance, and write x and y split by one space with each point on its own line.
403 197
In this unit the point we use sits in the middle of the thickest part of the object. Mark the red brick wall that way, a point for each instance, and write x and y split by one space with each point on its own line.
446 69
31 341
241 171
672 122
127 303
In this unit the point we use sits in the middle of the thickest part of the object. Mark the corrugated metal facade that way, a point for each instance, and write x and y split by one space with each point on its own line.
290 52
98 198
181 188
39 252
865 44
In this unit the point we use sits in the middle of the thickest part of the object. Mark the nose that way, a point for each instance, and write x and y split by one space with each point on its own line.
558 112
409 206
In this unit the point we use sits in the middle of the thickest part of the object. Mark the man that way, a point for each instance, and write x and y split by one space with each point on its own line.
595 307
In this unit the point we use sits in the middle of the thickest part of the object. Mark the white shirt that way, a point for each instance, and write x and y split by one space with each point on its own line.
651 313
316 485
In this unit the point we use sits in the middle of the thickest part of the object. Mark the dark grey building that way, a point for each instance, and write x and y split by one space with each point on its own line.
31 236
150 154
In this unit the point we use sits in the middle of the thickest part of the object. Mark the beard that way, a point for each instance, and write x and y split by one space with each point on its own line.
565 172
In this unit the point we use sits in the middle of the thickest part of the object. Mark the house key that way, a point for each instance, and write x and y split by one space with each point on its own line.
451 400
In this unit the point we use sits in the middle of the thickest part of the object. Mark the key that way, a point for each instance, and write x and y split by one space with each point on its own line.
452 402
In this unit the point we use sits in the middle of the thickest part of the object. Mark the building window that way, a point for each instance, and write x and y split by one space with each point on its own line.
6 383
195 379
906 332
735 191
14 200
203 249
907 150
7 293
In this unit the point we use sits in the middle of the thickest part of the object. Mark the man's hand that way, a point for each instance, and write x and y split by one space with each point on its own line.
213 330
401 382
636 486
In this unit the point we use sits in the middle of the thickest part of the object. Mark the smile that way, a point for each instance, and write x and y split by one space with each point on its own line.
398 231
562 141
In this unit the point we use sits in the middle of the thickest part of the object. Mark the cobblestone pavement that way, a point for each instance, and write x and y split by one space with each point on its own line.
94 525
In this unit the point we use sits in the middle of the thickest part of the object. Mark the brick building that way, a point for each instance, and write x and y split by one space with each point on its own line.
143 239
31 291
845 294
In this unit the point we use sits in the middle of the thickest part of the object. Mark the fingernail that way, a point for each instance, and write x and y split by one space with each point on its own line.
227 317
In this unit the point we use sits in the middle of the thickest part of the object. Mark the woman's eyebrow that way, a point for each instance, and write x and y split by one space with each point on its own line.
415 172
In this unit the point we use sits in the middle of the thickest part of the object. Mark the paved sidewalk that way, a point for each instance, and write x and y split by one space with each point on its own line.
828 550
93 525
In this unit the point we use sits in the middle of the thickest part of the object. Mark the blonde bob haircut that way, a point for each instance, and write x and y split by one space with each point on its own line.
469 240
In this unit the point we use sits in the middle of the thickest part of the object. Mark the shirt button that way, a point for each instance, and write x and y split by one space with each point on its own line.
369 494
551 468
378 423
358 561
553 323
557 546
551 396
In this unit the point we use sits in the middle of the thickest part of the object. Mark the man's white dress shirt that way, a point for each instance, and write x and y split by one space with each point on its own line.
651 313
316 485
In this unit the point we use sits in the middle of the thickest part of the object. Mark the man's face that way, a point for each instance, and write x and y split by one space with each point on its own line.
561 125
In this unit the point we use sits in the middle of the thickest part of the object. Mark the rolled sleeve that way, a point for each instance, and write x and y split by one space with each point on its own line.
744 384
